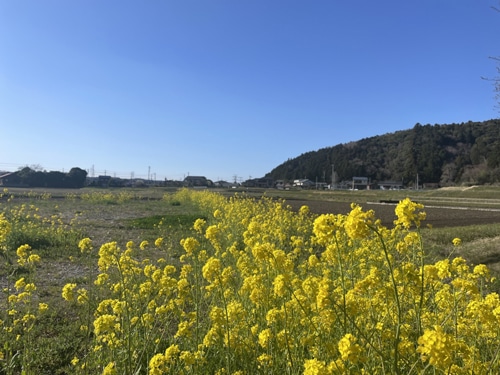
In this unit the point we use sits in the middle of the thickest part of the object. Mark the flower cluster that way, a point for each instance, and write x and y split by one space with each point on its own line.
260 288
22 309
5 227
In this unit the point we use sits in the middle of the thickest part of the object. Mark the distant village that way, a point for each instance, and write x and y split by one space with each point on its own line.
357 183
11 179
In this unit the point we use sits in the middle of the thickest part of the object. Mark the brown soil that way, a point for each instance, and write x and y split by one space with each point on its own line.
436 216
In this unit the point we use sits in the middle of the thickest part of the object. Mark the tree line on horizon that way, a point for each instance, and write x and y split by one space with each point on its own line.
31 177
451 154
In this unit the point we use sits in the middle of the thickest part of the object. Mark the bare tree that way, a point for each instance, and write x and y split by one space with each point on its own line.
496 79
35 167
496 82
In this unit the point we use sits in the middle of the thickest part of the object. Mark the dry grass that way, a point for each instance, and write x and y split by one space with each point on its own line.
482 251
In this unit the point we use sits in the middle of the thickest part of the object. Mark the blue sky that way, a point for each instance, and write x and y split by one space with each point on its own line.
231 88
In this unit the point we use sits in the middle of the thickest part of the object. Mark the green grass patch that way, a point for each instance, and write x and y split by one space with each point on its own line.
470 233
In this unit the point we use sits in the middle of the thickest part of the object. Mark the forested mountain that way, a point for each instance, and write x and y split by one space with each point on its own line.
445 154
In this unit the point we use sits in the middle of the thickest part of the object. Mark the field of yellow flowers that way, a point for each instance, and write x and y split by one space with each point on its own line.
254 287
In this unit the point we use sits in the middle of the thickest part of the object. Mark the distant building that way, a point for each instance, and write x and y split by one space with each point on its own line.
304 183
197 181
224 184
10 179
103 181
263 182
390 185
360 183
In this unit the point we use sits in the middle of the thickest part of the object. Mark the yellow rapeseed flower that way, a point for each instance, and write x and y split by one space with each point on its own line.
20 284
349 349
409 212
159 242
82 296
33 258
68 292
105 324
187 357
437 347
158 364
211 270
481 270
22 251
211 234
280 285
325 226
199 224
190 244
357 224
265 360
315 367
5 228
85 245
171 353
110 369
264 337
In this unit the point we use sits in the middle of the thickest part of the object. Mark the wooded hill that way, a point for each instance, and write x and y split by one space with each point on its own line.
466 153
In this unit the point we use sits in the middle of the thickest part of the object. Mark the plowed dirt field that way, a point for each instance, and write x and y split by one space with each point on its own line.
436 216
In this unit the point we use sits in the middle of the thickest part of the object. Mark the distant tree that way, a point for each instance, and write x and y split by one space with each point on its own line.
55 179
34 167
28 176
38 179
76 178
34 176
25 172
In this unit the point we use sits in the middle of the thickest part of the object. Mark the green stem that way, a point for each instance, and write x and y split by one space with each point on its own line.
344 289
228 333
422 282
396 297
126 319
287 338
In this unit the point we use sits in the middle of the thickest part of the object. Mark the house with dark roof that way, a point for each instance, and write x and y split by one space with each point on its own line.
360 183
196 181
11 179
262 182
